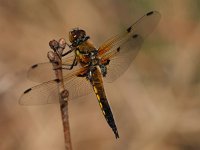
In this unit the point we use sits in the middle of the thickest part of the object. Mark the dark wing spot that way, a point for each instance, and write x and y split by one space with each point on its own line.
135 36
118 49
57 80
34 66
129 29
149 13
27 90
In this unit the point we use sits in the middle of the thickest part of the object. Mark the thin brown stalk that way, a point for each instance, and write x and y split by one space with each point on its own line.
55 58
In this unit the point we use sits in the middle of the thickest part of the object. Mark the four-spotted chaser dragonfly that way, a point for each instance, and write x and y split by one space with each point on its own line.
85 70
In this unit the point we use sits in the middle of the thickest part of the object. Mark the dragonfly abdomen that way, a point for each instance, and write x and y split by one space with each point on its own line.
108 115
98 88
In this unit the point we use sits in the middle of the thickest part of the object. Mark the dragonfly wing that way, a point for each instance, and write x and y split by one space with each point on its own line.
42 72
48 92
40 94
122 49
76 86
120 62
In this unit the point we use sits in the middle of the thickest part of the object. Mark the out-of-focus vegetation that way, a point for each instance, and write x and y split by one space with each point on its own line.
156 103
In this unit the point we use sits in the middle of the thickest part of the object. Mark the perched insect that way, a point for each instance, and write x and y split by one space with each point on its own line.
88 67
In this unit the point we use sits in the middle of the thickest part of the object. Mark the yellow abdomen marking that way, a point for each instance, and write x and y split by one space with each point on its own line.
98 97
100 105
95 89
103 112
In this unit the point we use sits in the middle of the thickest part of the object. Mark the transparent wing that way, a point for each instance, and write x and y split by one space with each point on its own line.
122 49
48 92
42 72
77 87
119 62
40 94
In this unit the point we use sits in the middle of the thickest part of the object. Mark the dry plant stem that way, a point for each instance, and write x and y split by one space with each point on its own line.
65 120
55 58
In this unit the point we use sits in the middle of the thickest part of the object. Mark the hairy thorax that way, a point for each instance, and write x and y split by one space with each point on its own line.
84 51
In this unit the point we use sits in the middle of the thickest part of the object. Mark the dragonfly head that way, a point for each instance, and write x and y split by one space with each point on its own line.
77 36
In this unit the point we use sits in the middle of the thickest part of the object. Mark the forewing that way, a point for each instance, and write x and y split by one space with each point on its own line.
122 49
48 92
42 72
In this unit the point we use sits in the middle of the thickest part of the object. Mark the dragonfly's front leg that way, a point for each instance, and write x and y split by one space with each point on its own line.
68 52
75 62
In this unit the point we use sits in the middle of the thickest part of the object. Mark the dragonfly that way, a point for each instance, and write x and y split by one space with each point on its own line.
85 67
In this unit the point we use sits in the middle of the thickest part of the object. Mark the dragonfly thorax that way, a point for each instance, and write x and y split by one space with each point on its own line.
94 60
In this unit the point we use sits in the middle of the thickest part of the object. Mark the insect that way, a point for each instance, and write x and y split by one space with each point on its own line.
85 70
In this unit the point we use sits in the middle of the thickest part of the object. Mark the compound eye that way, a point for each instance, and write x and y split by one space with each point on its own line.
82 33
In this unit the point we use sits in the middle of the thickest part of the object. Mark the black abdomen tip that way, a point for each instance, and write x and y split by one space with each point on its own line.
116 134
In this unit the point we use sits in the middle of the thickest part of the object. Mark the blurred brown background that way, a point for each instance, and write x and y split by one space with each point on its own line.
156 103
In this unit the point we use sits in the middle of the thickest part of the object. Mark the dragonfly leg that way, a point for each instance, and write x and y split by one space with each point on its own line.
69 51
71 65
